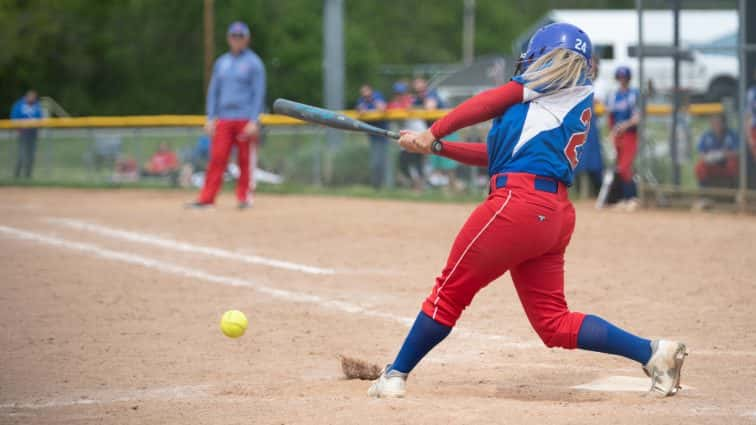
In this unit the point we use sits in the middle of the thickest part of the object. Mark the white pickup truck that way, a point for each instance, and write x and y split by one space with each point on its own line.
709 68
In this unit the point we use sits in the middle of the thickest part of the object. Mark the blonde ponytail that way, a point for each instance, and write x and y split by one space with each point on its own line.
558 69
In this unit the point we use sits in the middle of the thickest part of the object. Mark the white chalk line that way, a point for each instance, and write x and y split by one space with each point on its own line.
620 383
165 267
187 247
342 306
114 396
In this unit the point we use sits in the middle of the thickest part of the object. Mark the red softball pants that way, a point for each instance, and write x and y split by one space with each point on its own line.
627 147
728 169
228 133
524 226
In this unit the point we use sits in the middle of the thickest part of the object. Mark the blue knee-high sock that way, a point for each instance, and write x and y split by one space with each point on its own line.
629 190
423 336
596 334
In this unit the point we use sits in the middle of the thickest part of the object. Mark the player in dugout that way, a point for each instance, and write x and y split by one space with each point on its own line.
718 153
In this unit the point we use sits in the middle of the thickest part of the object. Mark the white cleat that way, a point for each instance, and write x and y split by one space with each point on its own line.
632 205
664 366
391 384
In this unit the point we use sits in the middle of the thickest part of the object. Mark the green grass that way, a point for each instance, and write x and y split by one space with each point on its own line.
356 191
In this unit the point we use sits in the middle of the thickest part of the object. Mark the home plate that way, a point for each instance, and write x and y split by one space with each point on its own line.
619 384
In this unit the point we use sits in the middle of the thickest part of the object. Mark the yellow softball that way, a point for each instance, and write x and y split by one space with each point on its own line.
233 323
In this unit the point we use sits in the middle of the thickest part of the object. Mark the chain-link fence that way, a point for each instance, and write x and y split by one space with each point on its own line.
300 156
702 155
288 157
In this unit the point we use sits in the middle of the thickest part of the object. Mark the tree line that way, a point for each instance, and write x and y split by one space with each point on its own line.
131 57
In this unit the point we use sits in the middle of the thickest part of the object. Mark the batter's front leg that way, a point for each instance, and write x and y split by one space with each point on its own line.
475 260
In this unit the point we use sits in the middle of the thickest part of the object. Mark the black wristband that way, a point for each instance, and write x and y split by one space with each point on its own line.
437 147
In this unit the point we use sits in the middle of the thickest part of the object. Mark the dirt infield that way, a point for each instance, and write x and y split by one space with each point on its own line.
110 305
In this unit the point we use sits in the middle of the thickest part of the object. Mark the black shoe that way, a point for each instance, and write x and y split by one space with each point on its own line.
196 205
243 205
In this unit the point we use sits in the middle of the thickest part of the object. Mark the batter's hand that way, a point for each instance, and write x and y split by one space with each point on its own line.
210 127
416 142
251 130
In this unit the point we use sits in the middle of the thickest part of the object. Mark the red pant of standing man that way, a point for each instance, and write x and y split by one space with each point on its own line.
228 133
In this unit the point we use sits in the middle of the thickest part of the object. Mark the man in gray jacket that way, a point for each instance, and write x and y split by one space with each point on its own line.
235 100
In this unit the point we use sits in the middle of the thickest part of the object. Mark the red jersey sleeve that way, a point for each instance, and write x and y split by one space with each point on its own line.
481 107
475 154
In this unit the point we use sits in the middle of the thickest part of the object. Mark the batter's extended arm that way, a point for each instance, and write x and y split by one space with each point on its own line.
481 107
475 154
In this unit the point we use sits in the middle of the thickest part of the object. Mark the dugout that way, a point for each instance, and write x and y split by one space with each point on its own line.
669 184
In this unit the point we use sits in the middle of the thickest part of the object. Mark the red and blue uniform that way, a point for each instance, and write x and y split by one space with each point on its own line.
622 106
527 220
235 97
718 158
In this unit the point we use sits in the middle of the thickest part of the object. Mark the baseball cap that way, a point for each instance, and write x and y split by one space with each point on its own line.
238 27
622 72
400 87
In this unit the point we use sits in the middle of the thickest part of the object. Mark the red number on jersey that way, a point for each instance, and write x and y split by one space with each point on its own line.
578 139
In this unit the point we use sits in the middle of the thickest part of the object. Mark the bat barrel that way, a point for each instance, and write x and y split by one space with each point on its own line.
281 106
328 118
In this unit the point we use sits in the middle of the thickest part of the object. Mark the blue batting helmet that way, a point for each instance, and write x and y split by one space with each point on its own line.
559 35
623 72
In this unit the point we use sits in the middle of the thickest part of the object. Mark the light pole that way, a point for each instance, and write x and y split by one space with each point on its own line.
468 33
209 33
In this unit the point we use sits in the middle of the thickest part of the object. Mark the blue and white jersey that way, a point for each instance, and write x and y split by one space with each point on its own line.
622 105
543 135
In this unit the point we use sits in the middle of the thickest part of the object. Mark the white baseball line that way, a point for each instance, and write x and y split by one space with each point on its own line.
503 341
187 247
176 392
150 239
170 268
114 396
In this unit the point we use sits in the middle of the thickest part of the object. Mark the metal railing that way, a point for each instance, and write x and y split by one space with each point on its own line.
280 120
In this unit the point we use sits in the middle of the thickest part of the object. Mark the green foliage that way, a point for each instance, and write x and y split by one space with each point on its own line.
146 56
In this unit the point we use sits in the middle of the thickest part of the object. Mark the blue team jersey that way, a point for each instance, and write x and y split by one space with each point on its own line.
371 104
22 110
543 135
710 142
623 104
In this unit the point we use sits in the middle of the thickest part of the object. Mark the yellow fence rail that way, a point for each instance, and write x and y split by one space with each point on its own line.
280 120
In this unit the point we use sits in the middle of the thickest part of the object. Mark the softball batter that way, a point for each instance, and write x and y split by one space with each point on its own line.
541 119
